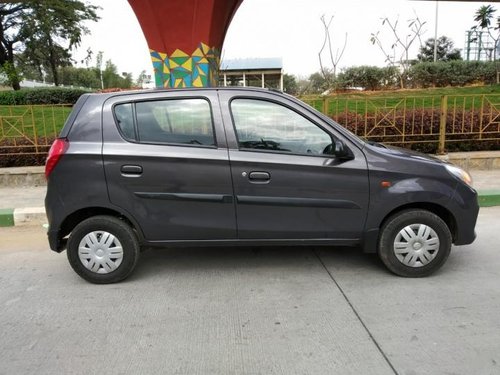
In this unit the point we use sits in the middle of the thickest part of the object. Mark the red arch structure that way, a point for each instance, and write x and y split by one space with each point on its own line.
185 38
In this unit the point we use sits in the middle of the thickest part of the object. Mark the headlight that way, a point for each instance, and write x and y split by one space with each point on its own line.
460 174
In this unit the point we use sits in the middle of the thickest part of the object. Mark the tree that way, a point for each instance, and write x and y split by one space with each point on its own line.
445 50
81 77
142 78
398 50
51 29
290 85
11 18
111 78
318 83
329 75
484 17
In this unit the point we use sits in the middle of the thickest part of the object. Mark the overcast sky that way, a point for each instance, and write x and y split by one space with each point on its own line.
290 29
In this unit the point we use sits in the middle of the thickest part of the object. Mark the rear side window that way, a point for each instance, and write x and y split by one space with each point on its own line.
177 121
125 119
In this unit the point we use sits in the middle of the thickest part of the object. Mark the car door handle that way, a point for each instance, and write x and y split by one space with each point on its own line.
131 170
259 177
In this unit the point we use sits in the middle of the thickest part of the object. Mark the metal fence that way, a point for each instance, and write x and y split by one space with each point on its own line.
30 129
437 121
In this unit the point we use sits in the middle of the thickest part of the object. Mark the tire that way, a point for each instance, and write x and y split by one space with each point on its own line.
414 243
112 259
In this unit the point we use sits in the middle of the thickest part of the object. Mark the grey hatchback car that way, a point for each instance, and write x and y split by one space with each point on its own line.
227 167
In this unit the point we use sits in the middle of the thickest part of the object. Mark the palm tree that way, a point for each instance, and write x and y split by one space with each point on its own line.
484 17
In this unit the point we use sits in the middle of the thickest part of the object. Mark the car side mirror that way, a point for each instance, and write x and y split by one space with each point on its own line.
341 151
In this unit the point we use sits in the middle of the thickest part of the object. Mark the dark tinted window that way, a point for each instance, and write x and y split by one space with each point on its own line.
265 125
186 121
125 120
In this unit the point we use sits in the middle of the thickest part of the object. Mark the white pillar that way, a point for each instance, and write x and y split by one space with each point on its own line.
244 80
225 80
281 81
263 79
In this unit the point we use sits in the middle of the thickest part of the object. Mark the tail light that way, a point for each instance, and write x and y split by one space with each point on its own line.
57 150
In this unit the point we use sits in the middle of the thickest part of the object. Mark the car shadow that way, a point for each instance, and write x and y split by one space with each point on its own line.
156 261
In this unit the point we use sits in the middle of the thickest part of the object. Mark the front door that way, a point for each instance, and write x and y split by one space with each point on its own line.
287 184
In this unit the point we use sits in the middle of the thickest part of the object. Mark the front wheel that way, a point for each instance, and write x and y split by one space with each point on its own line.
414 243
103 249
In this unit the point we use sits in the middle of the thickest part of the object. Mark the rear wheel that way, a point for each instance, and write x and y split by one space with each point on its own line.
103 249
414 243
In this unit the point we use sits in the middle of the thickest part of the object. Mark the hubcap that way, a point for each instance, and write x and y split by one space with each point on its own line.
100 252
416 245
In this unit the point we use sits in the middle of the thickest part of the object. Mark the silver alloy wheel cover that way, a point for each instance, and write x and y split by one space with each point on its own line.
416 245
100 252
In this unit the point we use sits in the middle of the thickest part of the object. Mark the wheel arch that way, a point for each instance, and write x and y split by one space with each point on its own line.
371 237
72 220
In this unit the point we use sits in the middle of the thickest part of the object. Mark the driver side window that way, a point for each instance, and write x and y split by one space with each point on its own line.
267 126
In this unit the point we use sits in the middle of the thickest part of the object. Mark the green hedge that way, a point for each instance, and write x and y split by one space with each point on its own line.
420 75
451 73
50 95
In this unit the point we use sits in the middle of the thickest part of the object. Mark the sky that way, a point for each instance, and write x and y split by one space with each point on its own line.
290 29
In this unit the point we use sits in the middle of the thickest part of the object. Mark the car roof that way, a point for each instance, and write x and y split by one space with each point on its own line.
106 95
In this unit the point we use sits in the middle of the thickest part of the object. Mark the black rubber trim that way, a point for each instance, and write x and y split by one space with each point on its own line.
187 197
296 202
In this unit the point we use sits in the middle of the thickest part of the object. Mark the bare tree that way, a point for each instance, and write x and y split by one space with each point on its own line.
329 74
398 52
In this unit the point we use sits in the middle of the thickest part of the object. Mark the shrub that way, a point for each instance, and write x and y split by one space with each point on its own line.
50 95
451 73
19 153
368 77
421 128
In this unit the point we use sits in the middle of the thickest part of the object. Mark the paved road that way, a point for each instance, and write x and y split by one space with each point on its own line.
250 311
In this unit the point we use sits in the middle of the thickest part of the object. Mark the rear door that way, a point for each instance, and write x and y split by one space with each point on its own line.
166 164
286 184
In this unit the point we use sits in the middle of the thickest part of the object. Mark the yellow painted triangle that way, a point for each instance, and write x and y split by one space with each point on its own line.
166 70
198 53
188 65
197 82
178 82
200 71
173 64
204 48
179 53
203 61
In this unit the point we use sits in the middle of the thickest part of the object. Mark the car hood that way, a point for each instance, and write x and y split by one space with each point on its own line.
405 153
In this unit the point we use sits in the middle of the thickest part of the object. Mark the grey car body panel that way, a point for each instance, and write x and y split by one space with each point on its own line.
190 195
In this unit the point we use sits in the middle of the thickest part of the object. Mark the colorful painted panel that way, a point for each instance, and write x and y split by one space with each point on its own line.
182 70
174 30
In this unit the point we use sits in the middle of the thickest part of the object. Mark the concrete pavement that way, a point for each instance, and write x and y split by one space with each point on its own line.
250 311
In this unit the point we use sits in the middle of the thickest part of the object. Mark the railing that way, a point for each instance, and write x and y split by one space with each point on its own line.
30 129
433 122
437 121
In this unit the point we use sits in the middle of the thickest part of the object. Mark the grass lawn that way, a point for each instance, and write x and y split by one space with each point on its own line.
48 120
